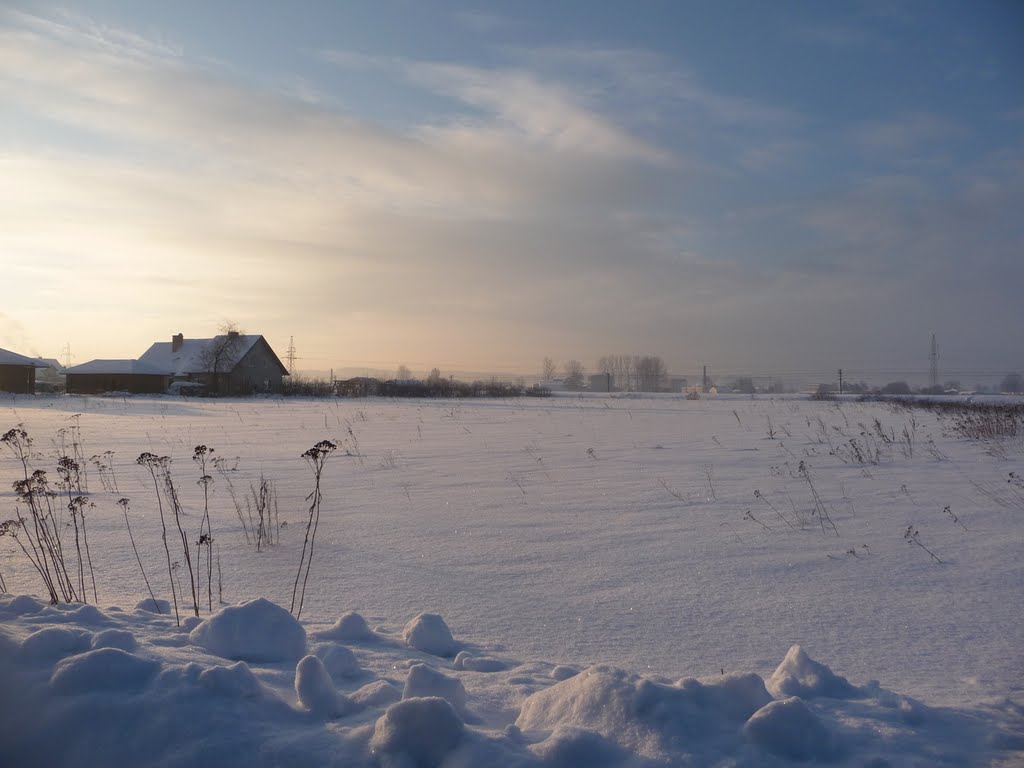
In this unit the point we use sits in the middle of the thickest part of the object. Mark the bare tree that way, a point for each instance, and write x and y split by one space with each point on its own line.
404 374
548 369
651 373
220 354
574 372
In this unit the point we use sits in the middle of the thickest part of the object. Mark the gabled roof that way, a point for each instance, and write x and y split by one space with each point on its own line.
115 366
13 358
49 362
188 358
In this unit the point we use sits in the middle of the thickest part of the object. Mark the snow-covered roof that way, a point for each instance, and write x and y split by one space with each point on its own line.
116 366
49 362
13 358
188 358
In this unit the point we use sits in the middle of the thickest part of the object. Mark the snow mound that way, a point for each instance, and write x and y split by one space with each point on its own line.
350 627
339 661
316 691
563 672
787 728
379 693
735 695
426 682
236 681
570 747
115 638
88 615
52 643
190 622
105 669
416 732
255 631
149 605
650 718
22 604
428 633
800 675
470 663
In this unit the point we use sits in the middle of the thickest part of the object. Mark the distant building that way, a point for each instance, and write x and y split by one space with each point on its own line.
228 364
601 382
99 376
17 373
677 384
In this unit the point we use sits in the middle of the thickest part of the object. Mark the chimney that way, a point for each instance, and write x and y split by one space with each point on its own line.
177 340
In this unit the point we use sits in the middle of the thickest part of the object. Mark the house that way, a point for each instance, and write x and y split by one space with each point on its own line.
17 373
115 376
229 364
49 375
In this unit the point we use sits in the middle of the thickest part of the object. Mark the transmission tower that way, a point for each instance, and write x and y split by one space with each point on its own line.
65 354
933 368
290 355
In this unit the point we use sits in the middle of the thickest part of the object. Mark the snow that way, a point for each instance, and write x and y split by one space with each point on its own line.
416 732
341 663
13 358
150 605
105 669
52 643
424 681
612 602
428 632
188 358
256 630
316 692
119 366
115 638
349 628
800 675
789 729
642 716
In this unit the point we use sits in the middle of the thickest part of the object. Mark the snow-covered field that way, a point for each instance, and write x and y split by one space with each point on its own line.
594 558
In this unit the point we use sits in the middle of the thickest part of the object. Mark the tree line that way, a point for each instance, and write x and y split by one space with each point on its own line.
626 373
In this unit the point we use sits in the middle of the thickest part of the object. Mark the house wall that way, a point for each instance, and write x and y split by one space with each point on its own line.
258 371
20 379
95 383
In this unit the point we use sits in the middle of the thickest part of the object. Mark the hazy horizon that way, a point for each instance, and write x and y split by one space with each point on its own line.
763 188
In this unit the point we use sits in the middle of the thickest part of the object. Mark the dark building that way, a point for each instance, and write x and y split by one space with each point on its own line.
99 376
17 373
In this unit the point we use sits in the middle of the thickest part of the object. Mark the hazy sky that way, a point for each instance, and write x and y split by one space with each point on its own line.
757 186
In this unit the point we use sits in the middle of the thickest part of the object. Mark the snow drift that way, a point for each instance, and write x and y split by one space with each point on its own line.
128 694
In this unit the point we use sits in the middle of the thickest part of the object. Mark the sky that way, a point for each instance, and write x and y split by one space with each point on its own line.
760 187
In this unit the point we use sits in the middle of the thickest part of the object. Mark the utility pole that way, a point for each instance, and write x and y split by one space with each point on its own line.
704 380
933 368
840 381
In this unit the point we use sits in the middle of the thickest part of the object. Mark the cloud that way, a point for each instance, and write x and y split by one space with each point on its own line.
907 132
649 78
543 113
571 202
